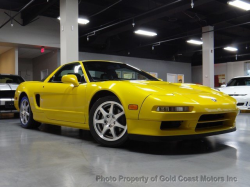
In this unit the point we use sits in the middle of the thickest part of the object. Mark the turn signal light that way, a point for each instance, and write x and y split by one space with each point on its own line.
172 109
133 107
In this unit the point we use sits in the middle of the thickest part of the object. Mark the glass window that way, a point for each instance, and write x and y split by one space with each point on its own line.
104 71
69 69
239 82
11 79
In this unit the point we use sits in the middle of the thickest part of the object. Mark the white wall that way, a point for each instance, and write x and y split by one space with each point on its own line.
197 74
47 61
43 32
230 69
160 66
25 68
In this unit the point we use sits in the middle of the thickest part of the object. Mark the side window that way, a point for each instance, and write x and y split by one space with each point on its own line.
70 69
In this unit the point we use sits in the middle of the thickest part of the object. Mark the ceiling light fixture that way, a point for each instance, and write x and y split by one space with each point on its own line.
80 21
157 44
231 49
192 3
240 4
196 42
83 21
146 33
92 34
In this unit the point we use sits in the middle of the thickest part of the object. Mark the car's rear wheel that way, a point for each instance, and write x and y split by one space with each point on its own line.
108 122
26 115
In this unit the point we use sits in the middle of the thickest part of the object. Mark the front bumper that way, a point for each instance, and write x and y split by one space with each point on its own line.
243 102
202 120
7 106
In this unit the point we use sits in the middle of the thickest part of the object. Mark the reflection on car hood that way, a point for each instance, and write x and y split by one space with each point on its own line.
236 90
6 86
163 88
193 93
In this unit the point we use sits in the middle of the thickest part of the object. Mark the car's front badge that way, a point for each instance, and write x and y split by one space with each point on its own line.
214 100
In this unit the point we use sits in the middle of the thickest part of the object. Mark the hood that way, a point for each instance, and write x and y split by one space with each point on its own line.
236 90
8 86
191 92
163 88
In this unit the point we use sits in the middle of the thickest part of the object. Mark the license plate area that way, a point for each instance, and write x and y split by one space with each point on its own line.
9 105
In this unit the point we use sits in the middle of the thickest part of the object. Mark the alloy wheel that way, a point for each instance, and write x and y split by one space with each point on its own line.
24 111
109 121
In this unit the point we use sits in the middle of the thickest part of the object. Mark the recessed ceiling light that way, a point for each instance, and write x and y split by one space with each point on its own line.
146 33
231 49
83 21
240 4
196 42
80 20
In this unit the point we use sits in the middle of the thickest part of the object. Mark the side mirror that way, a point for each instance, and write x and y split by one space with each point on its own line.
223 86
71 79
160 79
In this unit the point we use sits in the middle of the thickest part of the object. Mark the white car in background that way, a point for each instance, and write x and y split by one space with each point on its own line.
239 88
8 85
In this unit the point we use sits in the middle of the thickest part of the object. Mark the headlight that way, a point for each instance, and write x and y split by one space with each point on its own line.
172 109
237 94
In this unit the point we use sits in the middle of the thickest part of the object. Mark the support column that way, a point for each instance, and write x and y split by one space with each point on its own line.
69 31
208 56
16 60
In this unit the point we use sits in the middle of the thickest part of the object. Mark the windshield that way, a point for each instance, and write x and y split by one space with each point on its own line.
239 82
11 79
104 71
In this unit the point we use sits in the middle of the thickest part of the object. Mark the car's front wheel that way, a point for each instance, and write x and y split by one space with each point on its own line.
107 122
26 115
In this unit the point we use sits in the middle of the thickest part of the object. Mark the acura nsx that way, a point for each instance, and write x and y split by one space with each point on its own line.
117 101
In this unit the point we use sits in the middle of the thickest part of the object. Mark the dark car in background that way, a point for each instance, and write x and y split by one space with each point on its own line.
8 85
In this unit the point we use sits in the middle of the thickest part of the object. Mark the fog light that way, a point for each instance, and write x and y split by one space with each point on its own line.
172 109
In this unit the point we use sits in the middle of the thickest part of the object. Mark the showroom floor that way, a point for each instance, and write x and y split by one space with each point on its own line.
65 157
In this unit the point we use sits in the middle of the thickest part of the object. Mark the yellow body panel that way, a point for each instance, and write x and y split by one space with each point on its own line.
66 105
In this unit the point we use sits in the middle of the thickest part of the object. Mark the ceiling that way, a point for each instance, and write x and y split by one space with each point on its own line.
174 21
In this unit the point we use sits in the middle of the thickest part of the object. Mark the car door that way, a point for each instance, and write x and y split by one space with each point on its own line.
63 101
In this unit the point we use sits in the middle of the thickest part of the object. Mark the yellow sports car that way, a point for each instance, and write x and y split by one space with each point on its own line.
116 101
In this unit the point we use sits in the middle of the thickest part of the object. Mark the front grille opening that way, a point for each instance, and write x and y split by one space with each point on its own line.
212 117
5 107
240 104
208 125
165 125
7 93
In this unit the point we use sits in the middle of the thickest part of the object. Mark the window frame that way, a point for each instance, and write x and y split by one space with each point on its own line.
91 79
82 76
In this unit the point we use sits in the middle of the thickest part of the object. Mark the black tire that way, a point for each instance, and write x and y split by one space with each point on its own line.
109 142
29 122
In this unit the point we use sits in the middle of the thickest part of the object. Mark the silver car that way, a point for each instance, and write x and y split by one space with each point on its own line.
8 85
